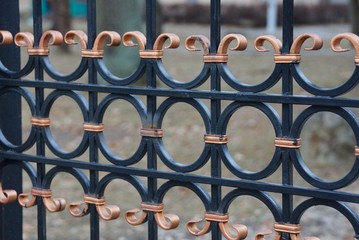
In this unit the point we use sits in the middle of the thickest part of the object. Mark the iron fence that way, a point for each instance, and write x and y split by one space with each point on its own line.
151 183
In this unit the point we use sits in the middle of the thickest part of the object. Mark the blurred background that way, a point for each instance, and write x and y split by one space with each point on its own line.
327 139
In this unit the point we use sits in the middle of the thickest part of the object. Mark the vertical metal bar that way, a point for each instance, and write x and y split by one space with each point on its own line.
287 109
10 123
215 36
93 102
40 142
151 9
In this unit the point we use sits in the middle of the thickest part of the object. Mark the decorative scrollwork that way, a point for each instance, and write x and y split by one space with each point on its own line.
157 51
6 37
294 55
299 41
190 45
228 39
25 39
48 38
100 41
222 53
7 196
52 205
291 229
140 39
277 46
131 216
81 36
222 220
106 212
276 43
79 209
165 221
352 38
174 41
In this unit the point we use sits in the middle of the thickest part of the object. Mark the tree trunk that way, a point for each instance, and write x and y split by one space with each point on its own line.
61 15
120 16
123 16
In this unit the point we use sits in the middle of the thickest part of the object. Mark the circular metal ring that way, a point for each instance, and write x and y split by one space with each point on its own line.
265 198
158 142
298 161
232 81
45 112
225 153
171 82
341 207
29 142
307 85
118 81
105 149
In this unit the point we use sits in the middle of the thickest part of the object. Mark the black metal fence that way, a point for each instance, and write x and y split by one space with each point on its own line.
151 183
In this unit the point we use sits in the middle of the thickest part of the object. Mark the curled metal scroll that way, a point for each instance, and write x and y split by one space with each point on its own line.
81 36
174 41
7 195
276 44
140 38
236 83
191 41
6 37
165 221
100 41
190 45
352 38
240 230
241 43
129 39
294 232
299 41
106 212
52 204
310 87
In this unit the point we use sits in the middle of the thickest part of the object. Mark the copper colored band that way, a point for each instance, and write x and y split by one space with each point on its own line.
287 58
218 58
151 132
38 51
91 127
356 60
93 200
89 53
216 139
216 217
287 143
152 207
41 192
151 54
40 122
356 151
287 228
